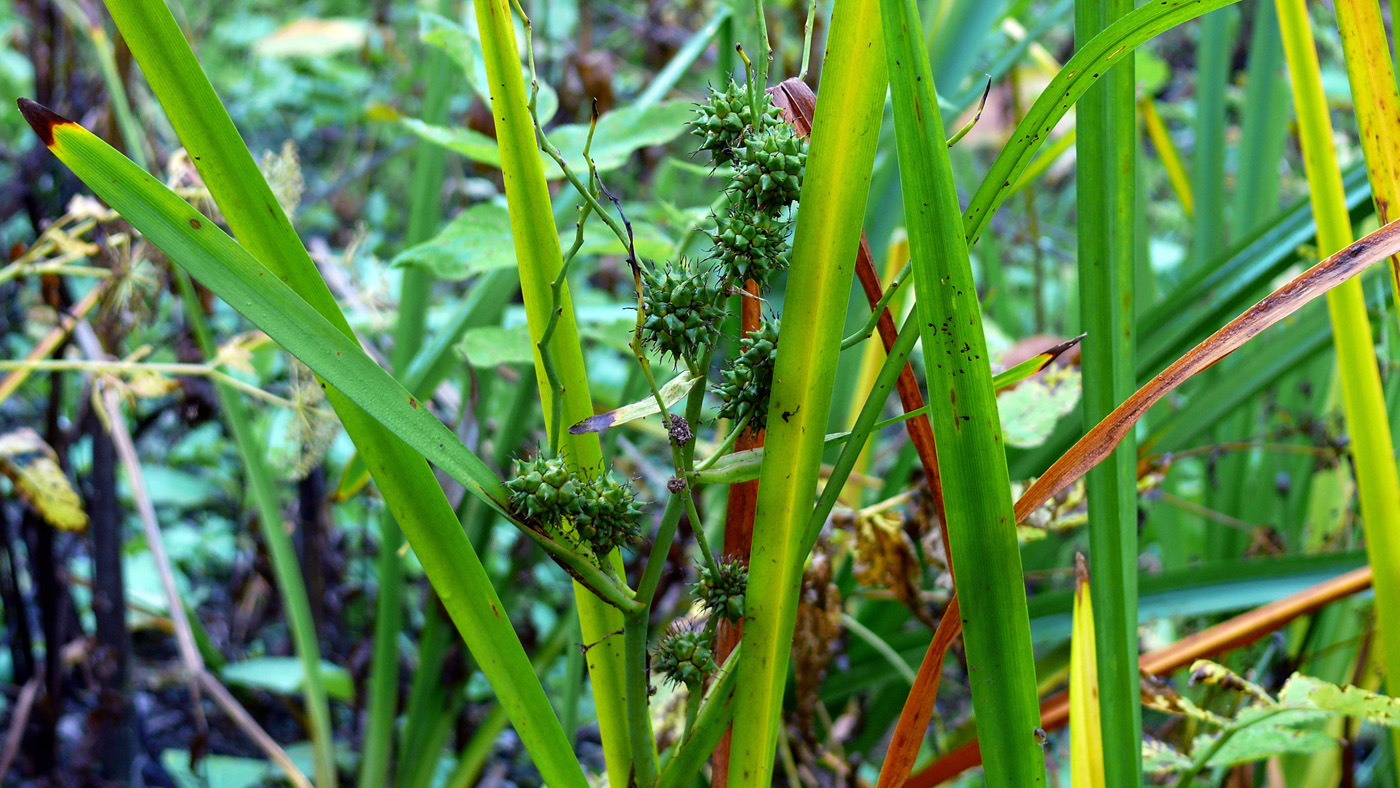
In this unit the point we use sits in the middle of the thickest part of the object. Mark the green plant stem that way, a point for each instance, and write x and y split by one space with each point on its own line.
1105 185
285 569
1367 421
539 261
868 329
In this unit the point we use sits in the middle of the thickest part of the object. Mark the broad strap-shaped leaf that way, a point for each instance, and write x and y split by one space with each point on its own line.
196 243
966 424
834 189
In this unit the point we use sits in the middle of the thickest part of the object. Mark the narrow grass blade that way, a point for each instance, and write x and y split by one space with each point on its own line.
1089 63
1326 275
1086 749
966 424
1032 365
1374 96
194 242
1167 153
539 259
834 192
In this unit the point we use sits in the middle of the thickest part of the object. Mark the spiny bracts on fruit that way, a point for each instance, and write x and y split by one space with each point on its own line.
607 514
684 656
750 244
748 379
601 512
722 593
682 307
726 118
768 169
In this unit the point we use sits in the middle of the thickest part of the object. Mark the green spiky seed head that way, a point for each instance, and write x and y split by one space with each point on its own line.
750 245
682 308
748 380
723 593
768 169
607 514
726 118
684 656
543 489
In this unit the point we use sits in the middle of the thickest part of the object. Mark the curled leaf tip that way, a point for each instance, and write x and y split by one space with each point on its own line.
1081 570
41 119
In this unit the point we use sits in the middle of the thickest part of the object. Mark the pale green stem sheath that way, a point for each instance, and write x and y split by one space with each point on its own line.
834 190
539 259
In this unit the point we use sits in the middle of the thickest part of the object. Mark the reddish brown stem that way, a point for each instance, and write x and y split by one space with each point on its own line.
920 431
738 532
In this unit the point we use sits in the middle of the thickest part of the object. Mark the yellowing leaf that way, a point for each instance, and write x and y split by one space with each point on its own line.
1085 733
32 465
146 383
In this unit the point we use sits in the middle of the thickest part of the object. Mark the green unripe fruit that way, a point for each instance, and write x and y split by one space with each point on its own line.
682 308
723 593
542 490
684 656
607 513
726 118
748 380
768 169
750 245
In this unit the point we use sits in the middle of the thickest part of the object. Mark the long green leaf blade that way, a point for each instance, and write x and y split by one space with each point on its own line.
1089 63
1105 175
193 241
966 425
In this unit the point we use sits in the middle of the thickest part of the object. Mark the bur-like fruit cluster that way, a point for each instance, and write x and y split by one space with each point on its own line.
725 119
750 245
542 489
748 379
684 656
751 238
608 514
601 513
769 169
683 307
722 593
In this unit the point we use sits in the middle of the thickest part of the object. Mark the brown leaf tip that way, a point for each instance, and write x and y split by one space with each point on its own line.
41 119
1081 570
